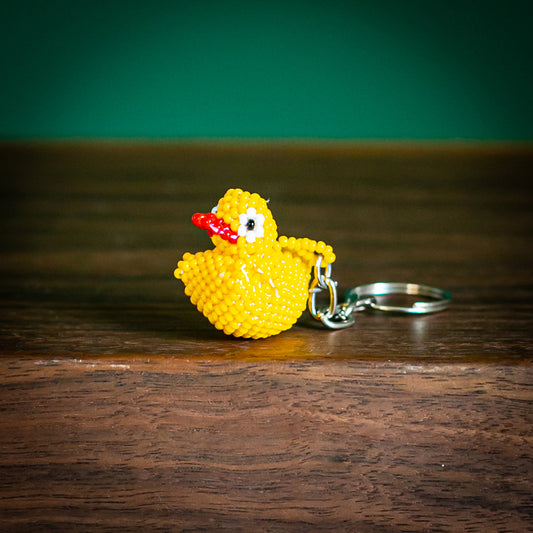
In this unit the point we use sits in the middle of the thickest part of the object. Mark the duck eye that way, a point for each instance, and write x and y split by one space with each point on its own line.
251 225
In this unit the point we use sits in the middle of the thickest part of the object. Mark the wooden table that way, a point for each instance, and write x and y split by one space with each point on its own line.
122 408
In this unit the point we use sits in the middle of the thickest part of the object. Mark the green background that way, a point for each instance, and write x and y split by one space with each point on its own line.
245 69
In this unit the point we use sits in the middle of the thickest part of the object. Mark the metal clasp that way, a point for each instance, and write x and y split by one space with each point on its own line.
362 298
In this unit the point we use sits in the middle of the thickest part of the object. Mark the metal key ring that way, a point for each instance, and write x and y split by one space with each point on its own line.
441 298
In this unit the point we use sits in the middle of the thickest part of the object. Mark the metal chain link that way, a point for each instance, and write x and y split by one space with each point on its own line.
362 298
333 315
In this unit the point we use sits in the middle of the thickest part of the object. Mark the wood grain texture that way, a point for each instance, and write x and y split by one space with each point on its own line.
174 445
121 408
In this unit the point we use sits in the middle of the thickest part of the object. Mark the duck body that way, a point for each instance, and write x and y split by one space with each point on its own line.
252 284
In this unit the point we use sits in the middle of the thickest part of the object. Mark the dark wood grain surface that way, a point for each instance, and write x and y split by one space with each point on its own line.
122 408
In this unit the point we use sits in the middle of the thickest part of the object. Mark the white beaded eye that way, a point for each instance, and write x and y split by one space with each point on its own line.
214 210
251 225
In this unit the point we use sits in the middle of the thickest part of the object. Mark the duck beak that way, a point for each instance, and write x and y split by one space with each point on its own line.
215 226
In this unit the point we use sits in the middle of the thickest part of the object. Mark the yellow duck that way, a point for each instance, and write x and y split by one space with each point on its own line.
252 284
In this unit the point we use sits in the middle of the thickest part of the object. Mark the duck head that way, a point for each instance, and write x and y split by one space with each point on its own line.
240 222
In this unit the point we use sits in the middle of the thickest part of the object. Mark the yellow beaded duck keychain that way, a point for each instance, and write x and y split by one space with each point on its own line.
254 285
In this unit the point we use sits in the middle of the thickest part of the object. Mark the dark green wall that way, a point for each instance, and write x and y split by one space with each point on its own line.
319 69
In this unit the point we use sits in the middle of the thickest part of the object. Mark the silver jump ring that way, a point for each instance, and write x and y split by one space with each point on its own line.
322 277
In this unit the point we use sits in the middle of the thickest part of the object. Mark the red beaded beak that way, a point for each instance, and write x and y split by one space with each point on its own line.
215 226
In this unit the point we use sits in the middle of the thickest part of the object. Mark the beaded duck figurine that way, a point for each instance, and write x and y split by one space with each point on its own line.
252 284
